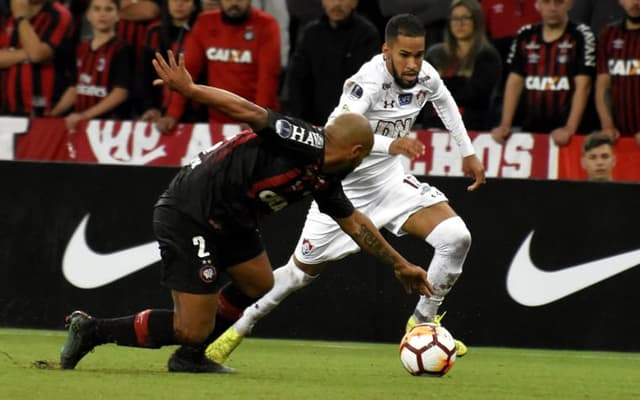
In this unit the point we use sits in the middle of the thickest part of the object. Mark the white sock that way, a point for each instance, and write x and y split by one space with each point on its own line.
451 241
287 279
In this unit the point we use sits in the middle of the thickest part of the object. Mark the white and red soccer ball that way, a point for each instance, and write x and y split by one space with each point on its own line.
428 349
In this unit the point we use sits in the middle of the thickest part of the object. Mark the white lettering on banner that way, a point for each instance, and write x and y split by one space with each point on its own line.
513 160
446 158
9 128
518 155
490 152
112 147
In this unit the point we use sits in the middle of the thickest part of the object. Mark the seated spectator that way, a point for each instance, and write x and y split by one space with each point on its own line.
598 158
34 43
551 69
596 13
103 71
468 64
177 18
618 82
238 48
330 50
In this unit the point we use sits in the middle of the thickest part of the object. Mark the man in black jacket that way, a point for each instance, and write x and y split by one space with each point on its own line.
329 50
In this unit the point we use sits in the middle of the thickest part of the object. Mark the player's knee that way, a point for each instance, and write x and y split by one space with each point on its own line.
460 239
451 237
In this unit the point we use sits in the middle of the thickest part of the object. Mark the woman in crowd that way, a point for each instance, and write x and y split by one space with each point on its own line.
469 65
177 17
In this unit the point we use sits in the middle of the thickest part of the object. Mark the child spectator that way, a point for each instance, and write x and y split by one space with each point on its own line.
103 70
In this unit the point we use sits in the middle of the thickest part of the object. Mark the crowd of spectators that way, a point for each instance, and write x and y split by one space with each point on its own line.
561 67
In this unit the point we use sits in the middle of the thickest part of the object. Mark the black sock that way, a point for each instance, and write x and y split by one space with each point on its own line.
149 328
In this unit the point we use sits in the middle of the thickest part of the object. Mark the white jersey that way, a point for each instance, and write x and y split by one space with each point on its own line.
392 111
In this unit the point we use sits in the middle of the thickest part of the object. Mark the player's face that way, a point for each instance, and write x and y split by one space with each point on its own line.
404 59
338 10
554 13
180 10
461 23
102 15
632 7
235 8
599 162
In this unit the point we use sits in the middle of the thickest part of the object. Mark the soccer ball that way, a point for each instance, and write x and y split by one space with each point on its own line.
428 349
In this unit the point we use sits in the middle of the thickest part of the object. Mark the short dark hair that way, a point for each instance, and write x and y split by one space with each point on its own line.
594 140
405 25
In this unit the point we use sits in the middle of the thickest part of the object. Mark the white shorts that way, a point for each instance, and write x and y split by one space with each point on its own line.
388 206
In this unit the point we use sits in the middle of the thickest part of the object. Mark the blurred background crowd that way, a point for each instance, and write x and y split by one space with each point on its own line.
561 67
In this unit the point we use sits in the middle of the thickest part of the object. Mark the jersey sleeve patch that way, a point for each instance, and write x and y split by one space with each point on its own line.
286 130
356 91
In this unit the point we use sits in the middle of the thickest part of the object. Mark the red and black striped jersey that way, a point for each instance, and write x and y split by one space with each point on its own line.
159 96
549 69
134 33
33 88
257 173
100 70
619 56
241 58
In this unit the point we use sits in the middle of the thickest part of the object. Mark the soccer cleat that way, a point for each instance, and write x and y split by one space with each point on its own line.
80 341
223 346
192 359
461 348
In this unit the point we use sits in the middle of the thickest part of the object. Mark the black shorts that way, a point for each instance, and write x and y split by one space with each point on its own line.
194 257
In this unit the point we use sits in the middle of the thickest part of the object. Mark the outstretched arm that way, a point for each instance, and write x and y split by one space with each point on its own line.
177 78
363 232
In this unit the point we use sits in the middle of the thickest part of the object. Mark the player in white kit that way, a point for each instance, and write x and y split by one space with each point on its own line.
390 90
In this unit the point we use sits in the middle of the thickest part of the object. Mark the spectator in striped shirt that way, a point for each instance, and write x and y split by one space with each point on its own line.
33 44
618 81
103 71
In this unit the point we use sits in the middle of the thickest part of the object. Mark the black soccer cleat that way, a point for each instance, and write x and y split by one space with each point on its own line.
192 359
80 341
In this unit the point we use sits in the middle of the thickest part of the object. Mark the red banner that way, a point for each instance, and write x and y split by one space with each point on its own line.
524 155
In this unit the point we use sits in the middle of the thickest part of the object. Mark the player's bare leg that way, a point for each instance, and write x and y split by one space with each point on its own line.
250 280
292 276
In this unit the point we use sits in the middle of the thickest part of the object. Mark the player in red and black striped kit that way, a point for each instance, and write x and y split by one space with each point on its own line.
34 43
103 71
207 223
618 81
552 65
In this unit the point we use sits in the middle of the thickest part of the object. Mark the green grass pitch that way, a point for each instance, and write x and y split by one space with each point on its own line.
288 369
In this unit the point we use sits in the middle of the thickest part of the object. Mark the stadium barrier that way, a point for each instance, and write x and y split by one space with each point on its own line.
524 155
553 263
